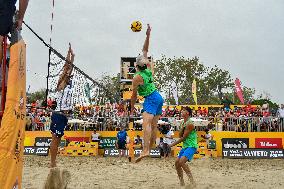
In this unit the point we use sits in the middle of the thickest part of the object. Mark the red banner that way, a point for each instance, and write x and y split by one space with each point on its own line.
268 143
239 90
78 139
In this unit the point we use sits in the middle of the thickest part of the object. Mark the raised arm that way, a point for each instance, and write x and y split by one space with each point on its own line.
70 58
147 41
145 49
67 70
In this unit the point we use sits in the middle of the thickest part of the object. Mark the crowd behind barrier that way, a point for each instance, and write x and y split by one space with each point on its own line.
112 117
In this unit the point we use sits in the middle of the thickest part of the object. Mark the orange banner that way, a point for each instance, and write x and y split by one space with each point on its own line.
13 121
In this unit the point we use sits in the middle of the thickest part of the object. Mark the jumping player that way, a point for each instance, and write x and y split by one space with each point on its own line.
188 136
59 116
143 84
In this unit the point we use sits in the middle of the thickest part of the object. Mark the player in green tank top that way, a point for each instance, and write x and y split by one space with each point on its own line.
143 84
188 136
148 86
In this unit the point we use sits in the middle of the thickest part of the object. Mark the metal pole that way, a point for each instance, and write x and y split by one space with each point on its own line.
3 99
47 77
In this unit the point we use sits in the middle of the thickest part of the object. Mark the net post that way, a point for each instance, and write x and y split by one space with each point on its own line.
4 64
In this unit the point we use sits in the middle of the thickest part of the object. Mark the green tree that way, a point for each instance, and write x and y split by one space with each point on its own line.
218 80
194 69
169 75
177 74
272 105
37 95
110 90
181 71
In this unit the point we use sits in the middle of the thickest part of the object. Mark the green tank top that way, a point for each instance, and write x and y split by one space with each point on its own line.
191 140
148 87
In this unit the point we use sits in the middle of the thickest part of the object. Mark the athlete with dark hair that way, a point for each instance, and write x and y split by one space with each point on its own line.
62 107
188 136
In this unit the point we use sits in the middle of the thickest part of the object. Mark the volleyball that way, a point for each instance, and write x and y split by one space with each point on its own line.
136 26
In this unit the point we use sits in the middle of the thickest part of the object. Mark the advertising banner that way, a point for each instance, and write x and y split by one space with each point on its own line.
40 151
112 152
253 153
107 142
268 143
237 143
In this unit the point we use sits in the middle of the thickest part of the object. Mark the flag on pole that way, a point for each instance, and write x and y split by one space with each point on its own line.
194 91
239 90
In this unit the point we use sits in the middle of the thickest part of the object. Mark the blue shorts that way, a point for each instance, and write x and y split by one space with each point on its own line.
153 104
58 123
187 152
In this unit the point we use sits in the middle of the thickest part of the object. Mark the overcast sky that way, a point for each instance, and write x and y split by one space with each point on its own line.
245 37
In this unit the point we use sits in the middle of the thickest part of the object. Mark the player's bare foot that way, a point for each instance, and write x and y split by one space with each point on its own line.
193 183
141 157
57 179
52 165
181 182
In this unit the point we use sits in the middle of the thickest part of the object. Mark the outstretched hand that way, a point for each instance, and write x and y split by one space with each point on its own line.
71 50
148 32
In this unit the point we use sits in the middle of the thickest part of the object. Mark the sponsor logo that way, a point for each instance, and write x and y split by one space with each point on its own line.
46 141
253 153
107 142
268 143
40 151
236 143
112 152
42 141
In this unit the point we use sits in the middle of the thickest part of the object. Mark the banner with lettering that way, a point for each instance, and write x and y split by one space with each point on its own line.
237 143
107 142
253 153
268 143
14 120
113 152
33 150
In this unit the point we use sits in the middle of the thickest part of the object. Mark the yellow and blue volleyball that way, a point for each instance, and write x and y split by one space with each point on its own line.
136 26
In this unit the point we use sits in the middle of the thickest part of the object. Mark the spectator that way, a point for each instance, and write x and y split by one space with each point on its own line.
96 136
49 102
121 142
161 147
281 114
168 140
138 141
227 103
207 136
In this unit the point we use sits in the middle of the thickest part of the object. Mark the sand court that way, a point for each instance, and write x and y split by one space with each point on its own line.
91 172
